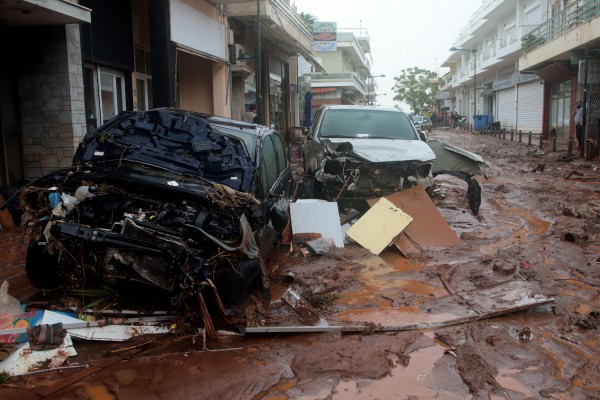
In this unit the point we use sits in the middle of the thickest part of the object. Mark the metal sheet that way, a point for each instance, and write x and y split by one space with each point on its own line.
428 230
317 216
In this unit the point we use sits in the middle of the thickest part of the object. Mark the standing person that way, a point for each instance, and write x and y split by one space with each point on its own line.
434 119
452 119
578 118
249 116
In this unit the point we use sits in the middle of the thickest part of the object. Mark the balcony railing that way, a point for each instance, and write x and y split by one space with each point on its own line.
340 79
565 21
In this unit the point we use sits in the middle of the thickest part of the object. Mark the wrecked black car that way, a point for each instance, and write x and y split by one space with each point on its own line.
354 153
166 199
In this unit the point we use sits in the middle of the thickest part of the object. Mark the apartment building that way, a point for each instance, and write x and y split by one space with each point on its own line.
73 65
348 78
484 78
560 50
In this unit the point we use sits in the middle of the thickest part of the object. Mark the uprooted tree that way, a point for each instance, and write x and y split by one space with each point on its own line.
416 87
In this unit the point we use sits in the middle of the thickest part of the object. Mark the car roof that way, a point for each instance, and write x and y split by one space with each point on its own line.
360 107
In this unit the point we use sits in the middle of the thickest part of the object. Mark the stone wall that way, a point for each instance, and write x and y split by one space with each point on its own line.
51 99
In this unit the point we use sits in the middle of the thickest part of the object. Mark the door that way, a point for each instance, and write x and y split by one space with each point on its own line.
560 104
506 108
11 153
530 106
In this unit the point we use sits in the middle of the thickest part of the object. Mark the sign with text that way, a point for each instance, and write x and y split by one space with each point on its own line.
325 36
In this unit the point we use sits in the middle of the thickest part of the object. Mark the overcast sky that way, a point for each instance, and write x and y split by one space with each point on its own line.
404 34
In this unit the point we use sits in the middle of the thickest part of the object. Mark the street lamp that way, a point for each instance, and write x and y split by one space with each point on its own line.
371 77
472 51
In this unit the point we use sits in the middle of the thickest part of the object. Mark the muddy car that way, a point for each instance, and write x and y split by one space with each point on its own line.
355 153
165 200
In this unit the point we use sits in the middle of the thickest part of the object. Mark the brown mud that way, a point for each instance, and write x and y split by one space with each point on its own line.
532 227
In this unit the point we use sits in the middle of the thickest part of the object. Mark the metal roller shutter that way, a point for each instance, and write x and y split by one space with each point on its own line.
506 108
530 106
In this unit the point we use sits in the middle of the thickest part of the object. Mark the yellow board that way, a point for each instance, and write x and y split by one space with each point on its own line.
380 226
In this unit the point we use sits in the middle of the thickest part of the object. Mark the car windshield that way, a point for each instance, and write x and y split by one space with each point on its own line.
418 119
376 124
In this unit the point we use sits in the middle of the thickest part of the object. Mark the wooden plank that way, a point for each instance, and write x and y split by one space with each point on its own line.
379 226
428 230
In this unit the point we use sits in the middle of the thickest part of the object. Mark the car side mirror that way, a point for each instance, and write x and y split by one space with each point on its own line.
279 219
423 136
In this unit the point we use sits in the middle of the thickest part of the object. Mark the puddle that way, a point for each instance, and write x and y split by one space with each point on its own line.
417 379
97 391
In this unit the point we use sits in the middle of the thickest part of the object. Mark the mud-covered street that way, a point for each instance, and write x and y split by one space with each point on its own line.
537 229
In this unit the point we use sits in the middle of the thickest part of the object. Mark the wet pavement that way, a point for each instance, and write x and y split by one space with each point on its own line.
522 233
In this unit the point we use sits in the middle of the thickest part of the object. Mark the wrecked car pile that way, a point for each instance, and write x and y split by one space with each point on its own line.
164 200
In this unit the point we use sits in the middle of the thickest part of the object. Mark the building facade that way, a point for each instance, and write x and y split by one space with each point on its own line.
560 50
348 78
76 64
484 78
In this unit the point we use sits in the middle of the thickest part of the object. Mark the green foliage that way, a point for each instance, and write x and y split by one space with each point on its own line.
416 87
308 20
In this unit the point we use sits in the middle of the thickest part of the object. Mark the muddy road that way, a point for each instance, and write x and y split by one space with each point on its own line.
538 227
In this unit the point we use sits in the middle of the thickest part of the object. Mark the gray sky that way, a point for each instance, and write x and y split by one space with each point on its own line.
404 34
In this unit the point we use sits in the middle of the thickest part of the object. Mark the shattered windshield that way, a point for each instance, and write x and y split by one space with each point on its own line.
357 123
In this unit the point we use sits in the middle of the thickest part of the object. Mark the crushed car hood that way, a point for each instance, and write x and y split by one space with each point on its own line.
161 139
382 150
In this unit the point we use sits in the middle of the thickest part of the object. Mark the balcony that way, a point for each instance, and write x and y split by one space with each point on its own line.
510 42
348 80
562 23
279 23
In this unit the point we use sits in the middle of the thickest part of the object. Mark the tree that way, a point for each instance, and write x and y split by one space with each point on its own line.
308 20
416 87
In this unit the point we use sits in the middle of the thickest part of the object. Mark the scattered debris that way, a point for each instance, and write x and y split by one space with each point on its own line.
379 226
317 216
526 334
588 210
428 229
307 313
25 359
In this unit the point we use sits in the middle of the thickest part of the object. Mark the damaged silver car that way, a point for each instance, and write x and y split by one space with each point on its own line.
353 153
179 202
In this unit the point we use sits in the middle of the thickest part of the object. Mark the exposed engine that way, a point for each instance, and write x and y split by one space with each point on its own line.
143 235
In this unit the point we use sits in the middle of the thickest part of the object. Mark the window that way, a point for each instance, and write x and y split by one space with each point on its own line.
104 95
281 160
142 99
269 165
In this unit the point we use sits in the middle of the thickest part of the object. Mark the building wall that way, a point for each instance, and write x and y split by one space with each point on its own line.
195 83
51 100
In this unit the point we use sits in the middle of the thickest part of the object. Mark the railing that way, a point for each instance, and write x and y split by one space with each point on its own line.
291 14
565 21
340 77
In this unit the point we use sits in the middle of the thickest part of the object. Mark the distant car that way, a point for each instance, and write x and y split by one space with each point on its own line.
361 152
166 199
422 123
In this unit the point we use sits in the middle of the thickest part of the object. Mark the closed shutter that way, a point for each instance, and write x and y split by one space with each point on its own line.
506 108
530 106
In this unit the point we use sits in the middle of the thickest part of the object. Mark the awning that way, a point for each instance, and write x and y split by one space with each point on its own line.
323 90
43 12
